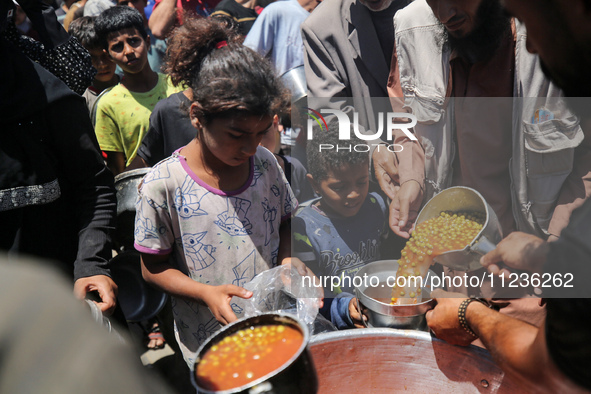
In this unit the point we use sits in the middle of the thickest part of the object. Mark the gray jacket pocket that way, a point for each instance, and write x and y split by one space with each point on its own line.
549 154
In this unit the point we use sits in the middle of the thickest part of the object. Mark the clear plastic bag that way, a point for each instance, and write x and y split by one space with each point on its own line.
283 289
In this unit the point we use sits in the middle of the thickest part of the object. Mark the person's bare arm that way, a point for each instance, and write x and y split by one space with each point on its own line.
402 174
519 347
575 189
115 162
284 241
516 346
136 163
518 250
163 18
284 254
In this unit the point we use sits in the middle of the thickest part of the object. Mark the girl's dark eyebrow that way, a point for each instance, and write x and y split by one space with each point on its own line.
239 130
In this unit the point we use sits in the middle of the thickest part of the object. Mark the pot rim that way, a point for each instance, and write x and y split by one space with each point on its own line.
387 309
273 318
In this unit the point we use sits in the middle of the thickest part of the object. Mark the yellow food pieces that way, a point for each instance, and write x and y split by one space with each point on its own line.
448 231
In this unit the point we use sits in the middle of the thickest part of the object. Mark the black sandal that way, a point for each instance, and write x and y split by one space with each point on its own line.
154 335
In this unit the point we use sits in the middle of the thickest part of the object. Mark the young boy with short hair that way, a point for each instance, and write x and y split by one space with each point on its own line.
340 232
123 114
83 30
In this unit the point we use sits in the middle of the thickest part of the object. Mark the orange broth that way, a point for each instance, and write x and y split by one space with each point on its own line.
247 355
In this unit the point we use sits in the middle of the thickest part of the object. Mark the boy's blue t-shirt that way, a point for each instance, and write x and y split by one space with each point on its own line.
339 247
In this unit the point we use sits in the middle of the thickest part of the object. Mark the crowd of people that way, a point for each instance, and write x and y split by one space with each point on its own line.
194 90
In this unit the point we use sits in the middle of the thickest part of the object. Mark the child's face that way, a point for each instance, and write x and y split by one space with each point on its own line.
129 50
272 138
232 141
104 65
344 190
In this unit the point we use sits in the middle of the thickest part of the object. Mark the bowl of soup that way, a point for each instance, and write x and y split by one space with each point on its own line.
266 353
374 297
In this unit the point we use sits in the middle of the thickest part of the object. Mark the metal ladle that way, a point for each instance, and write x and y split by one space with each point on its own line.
462 199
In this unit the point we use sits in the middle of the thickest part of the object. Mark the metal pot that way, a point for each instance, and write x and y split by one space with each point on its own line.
460 198
382 360
295 80
374 301
139 301
126 185
296 376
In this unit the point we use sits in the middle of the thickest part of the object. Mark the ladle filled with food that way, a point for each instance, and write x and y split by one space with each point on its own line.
463 253
455 228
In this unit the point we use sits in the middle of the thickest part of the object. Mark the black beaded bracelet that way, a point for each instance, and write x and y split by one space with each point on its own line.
462 313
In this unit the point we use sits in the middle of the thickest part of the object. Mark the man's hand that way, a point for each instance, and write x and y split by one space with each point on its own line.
386 171
106 288
406 198
443 319
355 314
303 270
218 299
404 208
518 250
299 265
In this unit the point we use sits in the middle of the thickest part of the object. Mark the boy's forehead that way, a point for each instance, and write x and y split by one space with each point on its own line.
128 31
348 170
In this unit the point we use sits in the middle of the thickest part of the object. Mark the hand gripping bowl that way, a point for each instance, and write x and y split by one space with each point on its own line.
374 294
457 199
296 376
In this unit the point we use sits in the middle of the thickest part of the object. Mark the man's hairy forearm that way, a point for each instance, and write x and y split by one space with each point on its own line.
510 341
517 347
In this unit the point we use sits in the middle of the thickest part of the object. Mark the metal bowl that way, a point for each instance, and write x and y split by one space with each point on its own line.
296 376
456 199
374 295
295 80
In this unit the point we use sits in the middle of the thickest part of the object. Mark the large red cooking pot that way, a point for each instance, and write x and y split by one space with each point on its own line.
383 360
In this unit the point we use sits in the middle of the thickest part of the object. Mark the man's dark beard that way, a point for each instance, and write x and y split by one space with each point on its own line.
480 45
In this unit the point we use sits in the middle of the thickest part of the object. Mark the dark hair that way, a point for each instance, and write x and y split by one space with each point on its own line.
228 22
118 18
83 30
226 77
319 163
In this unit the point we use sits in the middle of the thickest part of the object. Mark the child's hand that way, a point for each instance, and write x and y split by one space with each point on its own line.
218 299
299 266
303 270
356 316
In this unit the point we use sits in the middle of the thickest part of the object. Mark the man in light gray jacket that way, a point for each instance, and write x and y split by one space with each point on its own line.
507 132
